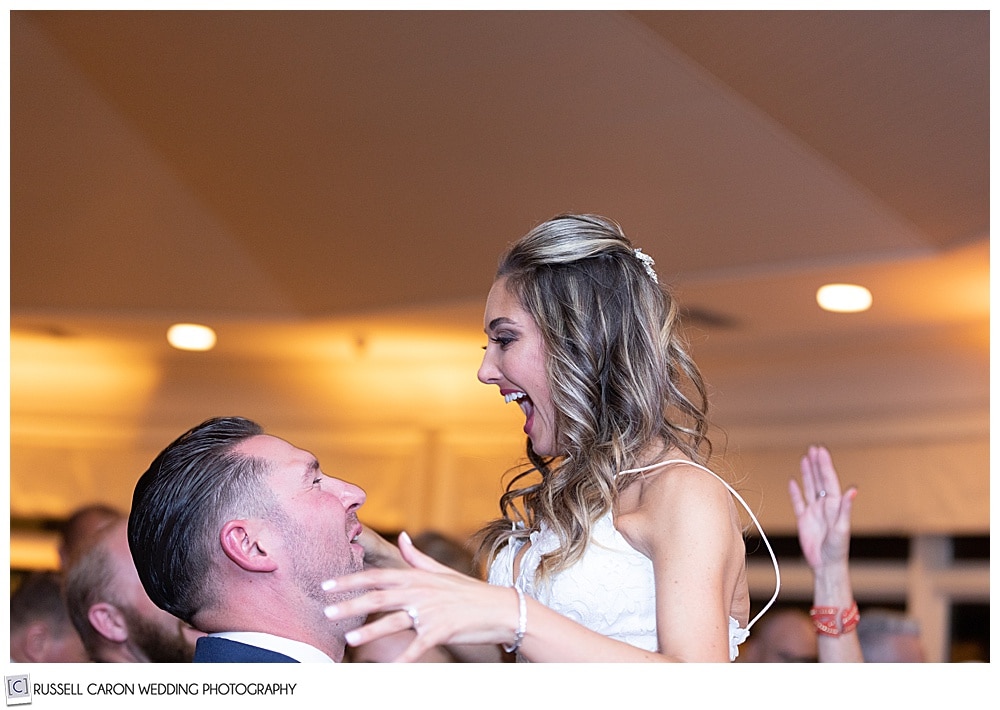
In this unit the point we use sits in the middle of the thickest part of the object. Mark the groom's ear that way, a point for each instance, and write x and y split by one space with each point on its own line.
243 542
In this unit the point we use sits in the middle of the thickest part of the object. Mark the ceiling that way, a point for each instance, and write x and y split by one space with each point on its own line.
282 175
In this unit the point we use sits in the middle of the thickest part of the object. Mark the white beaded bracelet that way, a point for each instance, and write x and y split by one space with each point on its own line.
522 623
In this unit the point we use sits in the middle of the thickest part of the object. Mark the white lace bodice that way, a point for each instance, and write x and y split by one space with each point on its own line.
611 589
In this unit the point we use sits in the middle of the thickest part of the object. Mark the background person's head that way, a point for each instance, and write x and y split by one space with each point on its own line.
448 551
889 636
82 526
112 613
782 636
40 627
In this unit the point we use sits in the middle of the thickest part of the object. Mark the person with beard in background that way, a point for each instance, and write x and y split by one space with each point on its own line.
112 613
81 528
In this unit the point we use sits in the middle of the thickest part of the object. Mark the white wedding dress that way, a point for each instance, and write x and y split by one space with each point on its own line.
610 589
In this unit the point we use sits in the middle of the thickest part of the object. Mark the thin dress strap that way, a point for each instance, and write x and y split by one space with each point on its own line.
774 559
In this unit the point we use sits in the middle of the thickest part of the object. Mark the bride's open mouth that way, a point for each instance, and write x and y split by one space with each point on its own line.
524 402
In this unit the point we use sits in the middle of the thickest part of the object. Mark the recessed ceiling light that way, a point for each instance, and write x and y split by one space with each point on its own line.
844 298
189 336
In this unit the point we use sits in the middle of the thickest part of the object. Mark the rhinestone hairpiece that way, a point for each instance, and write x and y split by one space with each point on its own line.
647 264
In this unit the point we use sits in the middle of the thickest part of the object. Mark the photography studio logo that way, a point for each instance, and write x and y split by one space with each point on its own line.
18 689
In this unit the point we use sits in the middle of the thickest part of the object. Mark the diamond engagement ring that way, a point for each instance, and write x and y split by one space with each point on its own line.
821 494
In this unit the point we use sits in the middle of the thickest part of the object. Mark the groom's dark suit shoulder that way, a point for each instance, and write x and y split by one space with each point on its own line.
219 650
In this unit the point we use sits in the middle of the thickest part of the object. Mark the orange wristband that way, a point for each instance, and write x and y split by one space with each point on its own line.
830 621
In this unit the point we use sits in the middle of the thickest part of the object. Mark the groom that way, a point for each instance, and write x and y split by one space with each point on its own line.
234 531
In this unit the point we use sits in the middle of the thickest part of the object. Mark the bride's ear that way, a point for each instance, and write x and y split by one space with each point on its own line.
243 541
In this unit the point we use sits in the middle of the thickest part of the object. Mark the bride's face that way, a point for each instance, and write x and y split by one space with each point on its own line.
514 361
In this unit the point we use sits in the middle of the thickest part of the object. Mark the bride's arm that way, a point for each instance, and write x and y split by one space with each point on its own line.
452 608
688 528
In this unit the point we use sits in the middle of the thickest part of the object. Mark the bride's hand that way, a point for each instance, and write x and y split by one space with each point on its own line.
379 552
443 606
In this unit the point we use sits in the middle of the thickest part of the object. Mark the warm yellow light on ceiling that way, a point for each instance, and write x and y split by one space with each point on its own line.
189 336
844 298
85 376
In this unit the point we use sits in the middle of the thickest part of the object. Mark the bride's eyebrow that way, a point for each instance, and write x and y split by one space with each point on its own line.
502 320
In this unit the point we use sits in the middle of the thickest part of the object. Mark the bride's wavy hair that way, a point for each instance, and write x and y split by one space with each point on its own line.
619 373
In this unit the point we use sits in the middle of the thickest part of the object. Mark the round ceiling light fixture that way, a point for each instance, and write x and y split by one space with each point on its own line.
844 298
190 336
